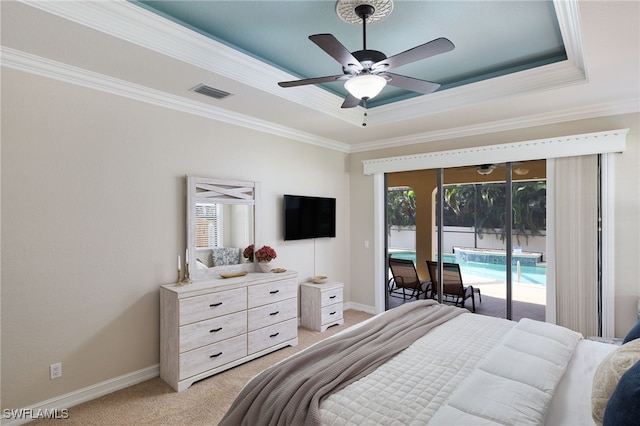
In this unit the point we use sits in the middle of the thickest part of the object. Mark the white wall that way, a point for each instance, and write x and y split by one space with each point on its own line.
93 219
457 236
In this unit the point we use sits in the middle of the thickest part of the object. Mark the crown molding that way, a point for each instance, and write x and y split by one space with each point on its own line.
626 106
25 62
137 25
552 76
564 146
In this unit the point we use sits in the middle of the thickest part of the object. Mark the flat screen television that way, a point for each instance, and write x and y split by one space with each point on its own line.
309 217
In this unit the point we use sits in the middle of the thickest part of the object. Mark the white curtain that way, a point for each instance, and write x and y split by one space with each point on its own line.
576 243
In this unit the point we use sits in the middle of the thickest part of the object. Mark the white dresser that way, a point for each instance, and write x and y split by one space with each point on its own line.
321 305
212 325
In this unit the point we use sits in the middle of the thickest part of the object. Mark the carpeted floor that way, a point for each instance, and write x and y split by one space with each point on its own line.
153 402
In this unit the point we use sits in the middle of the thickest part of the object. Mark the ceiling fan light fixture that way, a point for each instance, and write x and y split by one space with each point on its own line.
365 85
485 169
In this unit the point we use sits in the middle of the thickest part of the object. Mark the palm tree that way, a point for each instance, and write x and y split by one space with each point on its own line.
401 207
483 207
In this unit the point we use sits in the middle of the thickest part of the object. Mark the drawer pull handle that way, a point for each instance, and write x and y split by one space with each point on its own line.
274 291
332 297
274 313
215 330
333 313
213 305
216 355
274 335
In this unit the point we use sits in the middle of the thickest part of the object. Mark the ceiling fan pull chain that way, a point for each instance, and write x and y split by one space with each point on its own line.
364 117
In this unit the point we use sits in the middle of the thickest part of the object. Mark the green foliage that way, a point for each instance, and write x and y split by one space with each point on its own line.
483 206
479 205
401 207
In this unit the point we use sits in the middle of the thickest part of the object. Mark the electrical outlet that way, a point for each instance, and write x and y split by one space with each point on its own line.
55 370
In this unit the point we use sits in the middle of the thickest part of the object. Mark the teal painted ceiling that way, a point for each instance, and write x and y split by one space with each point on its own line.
492 38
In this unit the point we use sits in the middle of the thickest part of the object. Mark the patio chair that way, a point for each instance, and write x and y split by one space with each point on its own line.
452 287
404 277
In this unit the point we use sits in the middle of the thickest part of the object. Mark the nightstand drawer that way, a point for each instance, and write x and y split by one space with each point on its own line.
266 337
331 296
272 313
331 313
263 294
212 356
212 305
213 330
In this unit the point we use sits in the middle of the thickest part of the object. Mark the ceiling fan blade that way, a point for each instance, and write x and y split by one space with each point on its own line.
314 80
409 83
432 48
350 101
336 50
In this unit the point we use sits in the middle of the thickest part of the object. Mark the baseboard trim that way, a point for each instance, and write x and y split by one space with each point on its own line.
86 394
359 307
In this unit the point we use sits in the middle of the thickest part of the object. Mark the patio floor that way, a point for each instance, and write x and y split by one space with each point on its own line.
529 300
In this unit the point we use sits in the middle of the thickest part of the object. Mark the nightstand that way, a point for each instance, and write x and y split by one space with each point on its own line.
321 305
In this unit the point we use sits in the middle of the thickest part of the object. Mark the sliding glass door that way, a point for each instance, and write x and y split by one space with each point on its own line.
493 231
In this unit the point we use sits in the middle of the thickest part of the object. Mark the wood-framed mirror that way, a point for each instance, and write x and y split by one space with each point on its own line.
221 223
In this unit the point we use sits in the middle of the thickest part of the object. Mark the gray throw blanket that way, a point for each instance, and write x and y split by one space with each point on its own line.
290 392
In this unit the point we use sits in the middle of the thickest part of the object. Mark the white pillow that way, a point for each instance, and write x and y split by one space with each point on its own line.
607 375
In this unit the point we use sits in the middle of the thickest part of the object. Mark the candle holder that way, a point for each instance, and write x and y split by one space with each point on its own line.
186 279
179 282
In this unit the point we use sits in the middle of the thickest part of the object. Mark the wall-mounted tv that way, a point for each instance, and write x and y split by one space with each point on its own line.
309 217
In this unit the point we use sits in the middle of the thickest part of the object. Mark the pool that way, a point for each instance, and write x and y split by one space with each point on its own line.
528 274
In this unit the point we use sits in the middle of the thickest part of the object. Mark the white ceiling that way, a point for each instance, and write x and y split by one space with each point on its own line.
125 49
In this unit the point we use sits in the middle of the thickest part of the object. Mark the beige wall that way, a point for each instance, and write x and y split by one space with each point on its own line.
93 219
627 205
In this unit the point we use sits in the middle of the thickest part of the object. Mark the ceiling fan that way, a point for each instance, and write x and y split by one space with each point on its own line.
367 71
487 169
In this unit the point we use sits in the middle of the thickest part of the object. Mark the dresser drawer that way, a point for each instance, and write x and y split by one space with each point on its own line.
273 313
331 313
213 330
212 356
212 305
272 335
331 296
263 294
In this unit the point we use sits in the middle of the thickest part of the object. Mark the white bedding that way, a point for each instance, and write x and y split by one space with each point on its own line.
514 384
441 372
571 403
412 386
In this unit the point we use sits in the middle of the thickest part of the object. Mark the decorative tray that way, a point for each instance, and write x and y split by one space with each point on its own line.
234 274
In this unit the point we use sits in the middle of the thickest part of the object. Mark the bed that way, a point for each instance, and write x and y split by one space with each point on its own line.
426 363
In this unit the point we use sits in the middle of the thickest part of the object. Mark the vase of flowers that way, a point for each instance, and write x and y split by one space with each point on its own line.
265 255
248 253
